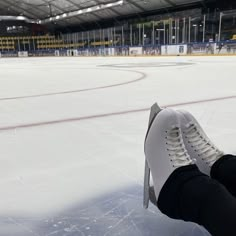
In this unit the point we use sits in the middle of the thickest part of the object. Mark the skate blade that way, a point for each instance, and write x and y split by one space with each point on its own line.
148 192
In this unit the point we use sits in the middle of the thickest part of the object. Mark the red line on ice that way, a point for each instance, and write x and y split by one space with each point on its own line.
76 119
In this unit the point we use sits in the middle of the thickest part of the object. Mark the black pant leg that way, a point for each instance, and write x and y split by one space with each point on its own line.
224 171
192 196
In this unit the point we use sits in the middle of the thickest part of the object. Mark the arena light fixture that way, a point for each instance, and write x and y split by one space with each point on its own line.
20 18
17 18
81 11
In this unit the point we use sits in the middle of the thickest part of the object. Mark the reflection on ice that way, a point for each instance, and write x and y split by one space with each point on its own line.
119 213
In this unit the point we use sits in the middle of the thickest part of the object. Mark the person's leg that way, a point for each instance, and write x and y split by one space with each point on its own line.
182 191
224 171
192 196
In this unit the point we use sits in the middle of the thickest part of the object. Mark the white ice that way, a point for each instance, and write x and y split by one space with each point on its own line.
72 132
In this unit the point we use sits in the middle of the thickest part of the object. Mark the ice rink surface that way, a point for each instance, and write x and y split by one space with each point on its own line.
72 132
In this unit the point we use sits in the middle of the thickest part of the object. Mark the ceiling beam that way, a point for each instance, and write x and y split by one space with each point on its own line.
5 10
171 3
111 9
67 22
131 2
79 7
16 7
96 15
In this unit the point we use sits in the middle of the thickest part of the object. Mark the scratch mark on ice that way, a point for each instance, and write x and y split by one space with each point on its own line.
22 226
119 222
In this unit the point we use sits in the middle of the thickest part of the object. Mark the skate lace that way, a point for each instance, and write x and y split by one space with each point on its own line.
205 149
176 149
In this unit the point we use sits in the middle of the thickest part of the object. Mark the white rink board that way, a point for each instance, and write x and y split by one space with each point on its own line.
71 156
174 49
22 54
135 51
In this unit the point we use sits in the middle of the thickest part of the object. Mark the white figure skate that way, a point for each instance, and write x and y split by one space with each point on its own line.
164 150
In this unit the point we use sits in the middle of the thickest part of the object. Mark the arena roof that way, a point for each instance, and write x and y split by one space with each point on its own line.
65 12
